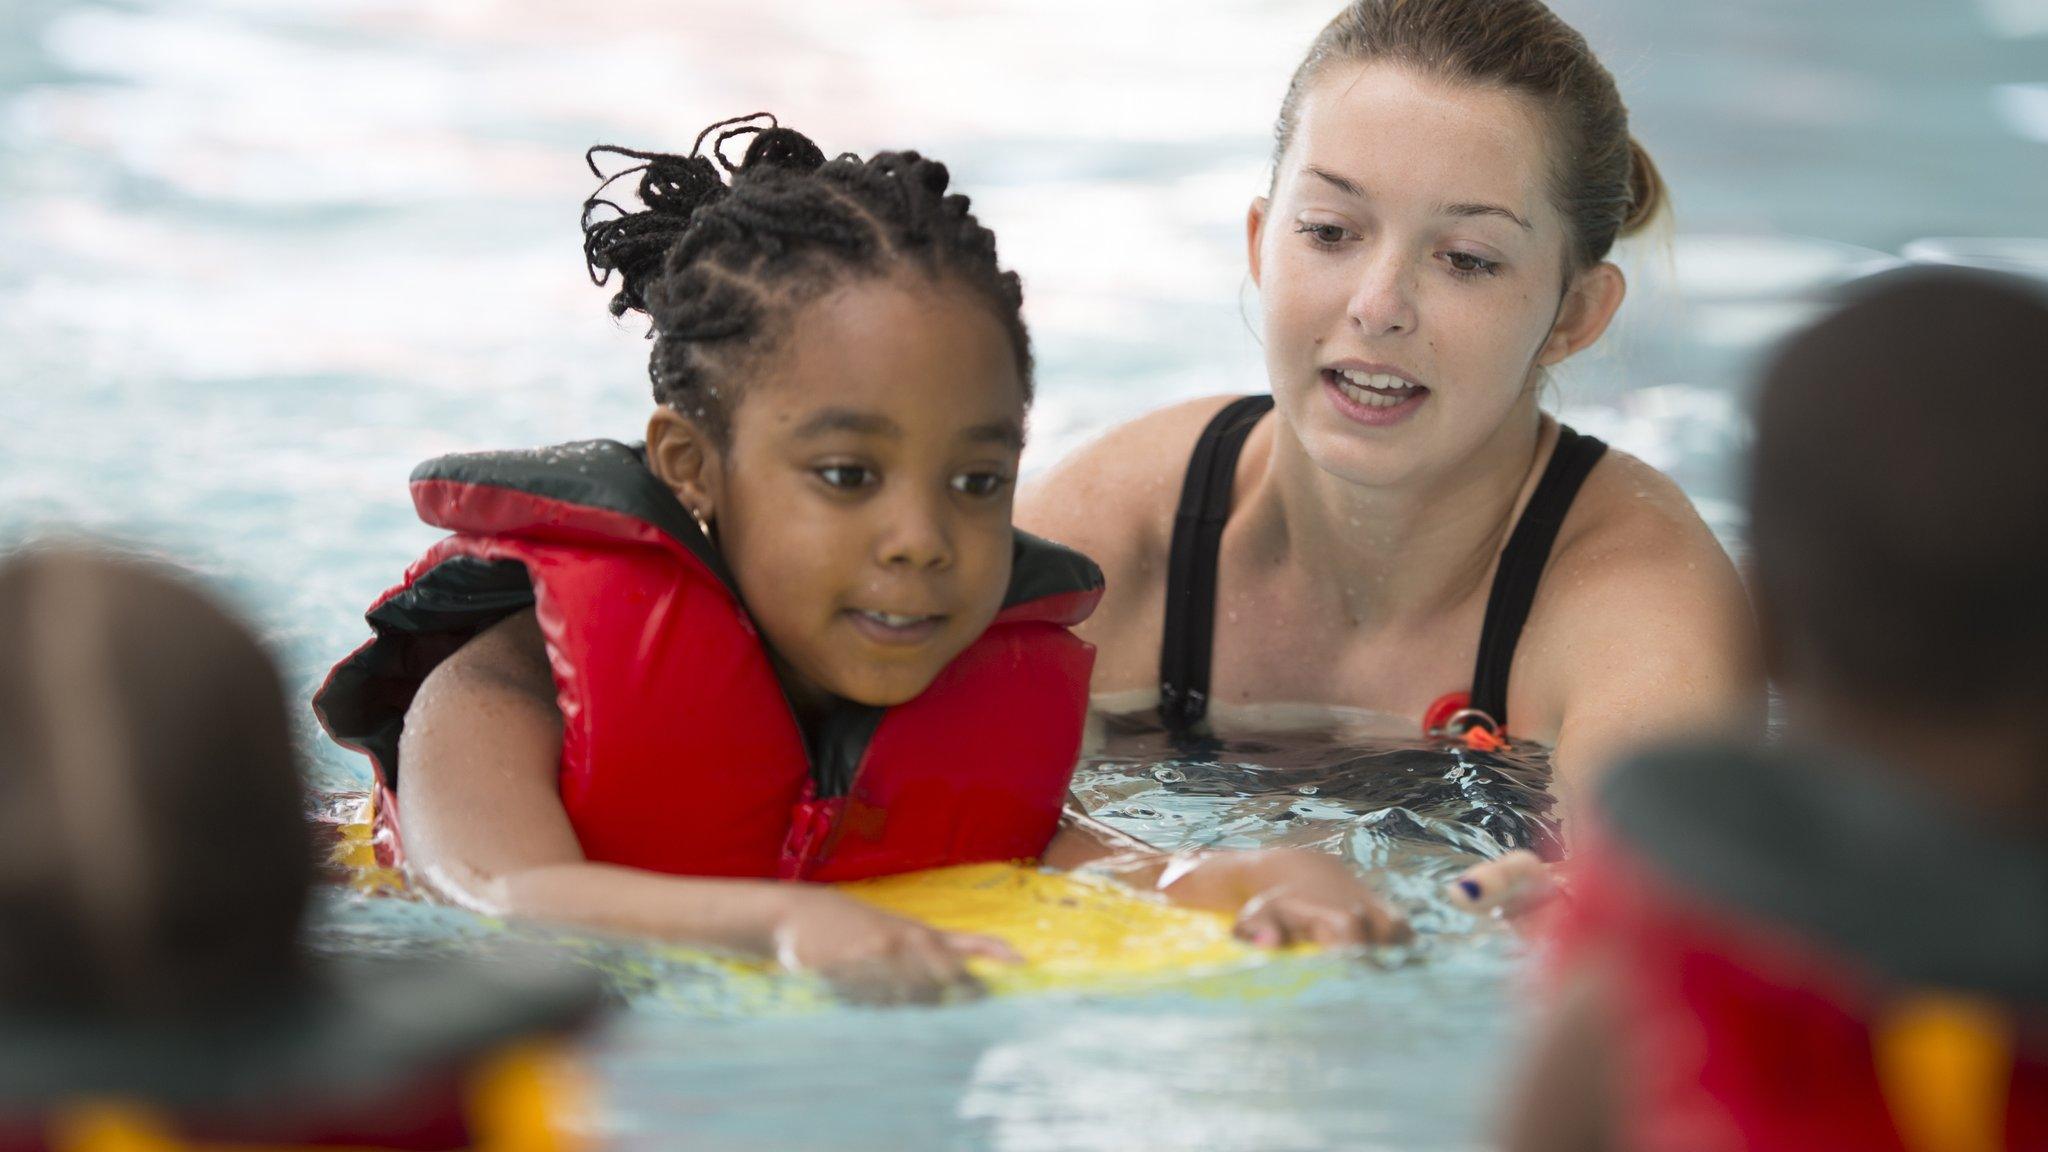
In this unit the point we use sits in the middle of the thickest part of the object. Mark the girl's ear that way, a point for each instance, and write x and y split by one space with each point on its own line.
682 457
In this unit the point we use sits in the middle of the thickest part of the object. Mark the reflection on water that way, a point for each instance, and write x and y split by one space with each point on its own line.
1362 798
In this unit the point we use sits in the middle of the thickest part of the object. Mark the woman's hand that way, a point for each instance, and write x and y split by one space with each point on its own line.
1516 883
1284 897
1280 896
874 957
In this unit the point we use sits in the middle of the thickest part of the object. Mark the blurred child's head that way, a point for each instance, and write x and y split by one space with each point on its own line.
1899 503
154 856
842 373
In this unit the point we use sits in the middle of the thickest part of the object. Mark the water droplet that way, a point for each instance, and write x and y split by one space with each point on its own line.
1168 775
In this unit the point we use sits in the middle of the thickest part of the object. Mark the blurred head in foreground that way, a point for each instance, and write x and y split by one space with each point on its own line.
1838 941
1899 525
155 868
154 857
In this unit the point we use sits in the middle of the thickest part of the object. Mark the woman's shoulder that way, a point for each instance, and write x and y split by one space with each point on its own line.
1113 498
1633 533
1638 591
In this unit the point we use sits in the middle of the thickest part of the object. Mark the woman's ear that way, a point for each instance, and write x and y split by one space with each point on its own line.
1590 302
685 459
1254 230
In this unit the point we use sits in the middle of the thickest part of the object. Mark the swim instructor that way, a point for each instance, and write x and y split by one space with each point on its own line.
1399 520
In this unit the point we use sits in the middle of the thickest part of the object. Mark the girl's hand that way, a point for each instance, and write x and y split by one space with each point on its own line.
876 958
1287 897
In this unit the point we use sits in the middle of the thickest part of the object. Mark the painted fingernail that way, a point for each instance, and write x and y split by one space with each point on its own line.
1470 888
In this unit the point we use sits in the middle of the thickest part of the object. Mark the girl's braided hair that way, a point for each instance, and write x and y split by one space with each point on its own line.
721 268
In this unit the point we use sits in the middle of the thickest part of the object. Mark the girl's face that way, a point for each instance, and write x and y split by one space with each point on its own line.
1411 271
863 499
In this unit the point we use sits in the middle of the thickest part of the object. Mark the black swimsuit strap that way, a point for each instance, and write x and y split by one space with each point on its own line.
1521 567
1191 564
1190 625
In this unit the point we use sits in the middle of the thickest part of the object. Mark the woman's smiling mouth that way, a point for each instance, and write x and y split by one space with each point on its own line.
1370 395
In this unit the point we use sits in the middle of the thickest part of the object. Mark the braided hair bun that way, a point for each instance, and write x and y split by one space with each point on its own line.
720 267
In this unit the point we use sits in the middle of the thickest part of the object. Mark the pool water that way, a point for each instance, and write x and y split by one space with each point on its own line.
257 260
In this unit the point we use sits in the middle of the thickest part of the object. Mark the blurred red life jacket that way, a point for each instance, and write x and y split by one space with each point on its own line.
420 1055
1776 926
680 753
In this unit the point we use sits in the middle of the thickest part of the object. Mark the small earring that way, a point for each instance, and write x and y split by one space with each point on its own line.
703 522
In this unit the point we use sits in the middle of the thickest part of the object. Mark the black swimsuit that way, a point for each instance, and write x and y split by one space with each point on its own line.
1198 532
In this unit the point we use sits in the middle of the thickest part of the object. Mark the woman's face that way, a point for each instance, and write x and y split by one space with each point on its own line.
1411 269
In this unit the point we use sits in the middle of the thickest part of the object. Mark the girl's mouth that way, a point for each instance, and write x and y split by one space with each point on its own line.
1374 398
893 629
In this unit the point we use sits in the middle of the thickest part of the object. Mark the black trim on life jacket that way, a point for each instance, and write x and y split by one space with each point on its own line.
602 474
353 1034
365 699
1874 865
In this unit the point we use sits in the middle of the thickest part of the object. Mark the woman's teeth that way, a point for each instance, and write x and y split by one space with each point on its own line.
1375 389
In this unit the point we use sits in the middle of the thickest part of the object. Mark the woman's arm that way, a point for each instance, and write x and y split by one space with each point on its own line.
484 827
1642 632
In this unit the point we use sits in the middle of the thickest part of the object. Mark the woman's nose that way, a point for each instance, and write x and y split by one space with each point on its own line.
1383 302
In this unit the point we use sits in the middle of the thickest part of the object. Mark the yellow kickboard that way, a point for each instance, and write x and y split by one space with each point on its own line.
1073 930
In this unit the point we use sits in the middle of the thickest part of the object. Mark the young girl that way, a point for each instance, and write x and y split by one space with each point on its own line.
796 637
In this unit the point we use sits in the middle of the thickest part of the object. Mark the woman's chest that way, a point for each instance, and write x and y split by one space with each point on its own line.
1272 641
1275 645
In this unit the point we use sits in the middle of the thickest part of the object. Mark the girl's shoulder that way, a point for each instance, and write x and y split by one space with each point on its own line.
1113 498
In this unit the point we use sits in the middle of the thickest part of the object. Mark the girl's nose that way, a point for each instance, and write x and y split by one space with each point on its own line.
1383 303
917 535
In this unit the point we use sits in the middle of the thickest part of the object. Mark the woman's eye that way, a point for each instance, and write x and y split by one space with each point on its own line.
845 476
1324 235
979 483
1466 264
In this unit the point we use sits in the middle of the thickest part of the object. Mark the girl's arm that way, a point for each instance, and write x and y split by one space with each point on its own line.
485 828
1280 896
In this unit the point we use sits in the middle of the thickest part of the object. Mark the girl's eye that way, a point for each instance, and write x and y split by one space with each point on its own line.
846 477
1322 235
980 483
1467 264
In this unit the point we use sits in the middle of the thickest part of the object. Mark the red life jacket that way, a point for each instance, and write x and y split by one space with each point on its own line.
1769 924
679 750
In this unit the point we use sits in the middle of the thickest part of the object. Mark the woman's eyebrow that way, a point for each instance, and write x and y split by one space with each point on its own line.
1343 184
1484 210
1351 187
